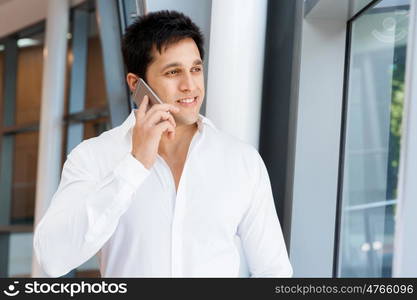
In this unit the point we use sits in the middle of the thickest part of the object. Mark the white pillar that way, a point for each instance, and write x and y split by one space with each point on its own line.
234 87
52 111
405 243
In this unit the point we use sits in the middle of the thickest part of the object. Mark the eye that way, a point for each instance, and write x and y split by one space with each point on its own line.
172 72
197 69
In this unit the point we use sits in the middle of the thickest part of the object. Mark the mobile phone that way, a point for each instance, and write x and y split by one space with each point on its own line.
143 89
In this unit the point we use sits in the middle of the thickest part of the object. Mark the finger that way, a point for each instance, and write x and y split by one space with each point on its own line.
172 120
142 107
157 116
163 107
171 135
164 126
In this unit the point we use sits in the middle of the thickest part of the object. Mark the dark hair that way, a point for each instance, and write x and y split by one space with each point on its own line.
159 29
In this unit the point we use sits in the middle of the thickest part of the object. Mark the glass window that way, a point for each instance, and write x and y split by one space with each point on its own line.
95 102
95 127
20 146
24 177
374 112
29 79
96 96
20 254
27 116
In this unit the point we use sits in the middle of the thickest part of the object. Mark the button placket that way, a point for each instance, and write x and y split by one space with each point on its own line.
162 171
176 230
168 182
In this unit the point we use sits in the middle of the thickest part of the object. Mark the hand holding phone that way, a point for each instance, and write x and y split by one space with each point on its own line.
142 89
151 124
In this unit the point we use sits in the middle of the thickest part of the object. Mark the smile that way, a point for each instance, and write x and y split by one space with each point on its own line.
187 102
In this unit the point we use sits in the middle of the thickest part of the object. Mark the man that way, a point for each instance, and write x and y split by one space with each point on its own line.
166 194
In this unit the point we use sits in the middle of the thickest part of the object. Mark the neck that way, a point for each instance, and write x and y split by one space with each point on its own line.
181 142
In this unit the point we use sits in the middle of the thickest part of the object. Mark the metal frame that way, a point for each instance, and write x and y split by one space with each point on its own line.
16 229
309 5
39 27
77 115
80 30
279 118
87 115
325 8
11 130
129 10
339 202
110 36
119 103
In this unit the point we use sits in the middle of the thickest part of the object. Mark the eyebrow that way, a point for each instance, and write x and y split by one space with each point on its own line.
177 64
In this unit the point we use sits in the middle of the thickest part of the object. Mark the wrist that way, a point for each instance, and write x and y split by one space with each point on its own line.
146 164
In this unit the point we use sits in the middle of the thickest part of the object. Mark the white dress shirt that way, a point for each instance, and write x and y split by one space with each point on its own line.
109 204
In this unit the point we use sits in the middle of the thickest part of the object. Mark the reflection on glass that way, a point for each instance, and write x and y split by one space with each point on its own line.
96 127
371 159
358 5
24 177
96 96
29 79
20 254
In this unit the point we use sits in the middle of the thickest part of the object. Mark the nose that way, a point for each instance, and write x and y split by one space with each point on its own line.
187 83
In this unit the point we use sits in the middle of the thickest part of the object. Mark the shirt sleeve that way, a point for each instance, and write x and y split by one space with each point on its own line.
260 231
85 210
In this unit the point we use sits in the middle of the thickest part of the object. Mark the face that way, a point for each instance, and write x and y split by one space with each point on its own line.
176 75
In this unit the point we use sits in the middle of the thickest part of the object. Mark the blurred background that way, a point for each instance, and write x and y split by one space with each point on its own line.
324 89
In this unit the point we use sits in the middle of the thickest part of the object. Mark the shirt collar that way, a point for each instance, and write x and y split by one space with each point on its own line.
128 124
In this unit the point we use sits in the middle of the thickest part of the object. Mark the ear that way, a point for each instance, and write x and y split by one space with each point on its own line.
132 81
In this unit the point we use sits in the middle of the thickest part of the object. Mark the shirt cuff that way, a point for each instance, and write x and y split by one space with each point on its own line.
131 170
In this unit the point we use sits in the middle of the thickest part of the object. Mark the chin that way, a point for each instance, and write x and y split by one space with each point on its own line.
186 120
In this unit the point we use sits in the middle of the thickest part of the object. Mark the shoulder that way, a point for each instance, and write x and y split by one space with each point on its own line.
111 140
104 138
106 141
97 155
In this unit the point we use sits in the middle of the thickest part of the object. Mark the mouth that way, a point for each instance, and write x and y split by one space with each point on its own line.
188 102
